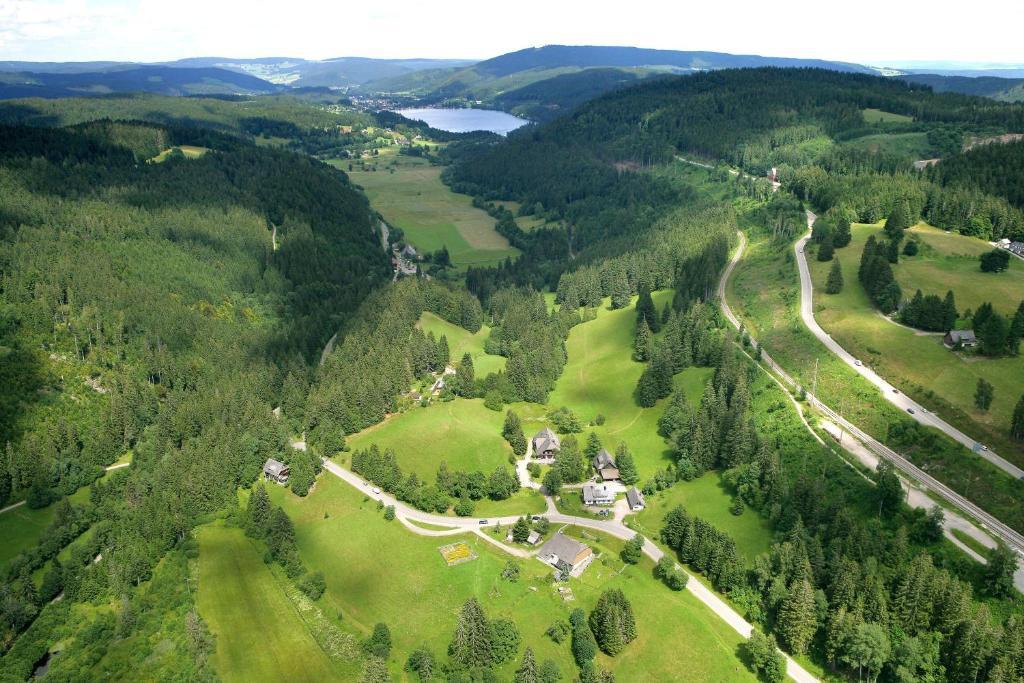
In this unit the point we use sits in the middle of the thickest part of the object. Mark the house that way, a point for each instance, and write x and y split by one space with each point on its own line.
437 386
546 444
274 470
635 499
961 338
566 554
533 538
604 463
448 370
598 494
409 252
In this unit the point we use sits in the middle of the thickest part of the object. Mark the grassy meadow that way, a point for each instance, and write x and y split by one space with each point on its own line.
461 341
404 582
409 193
880 116
918 362
259 633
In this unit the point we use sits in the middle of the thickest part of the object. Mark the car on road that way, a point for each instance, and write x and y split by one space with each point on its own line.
375 490
910 410
483 521
895 390
536 518
857 362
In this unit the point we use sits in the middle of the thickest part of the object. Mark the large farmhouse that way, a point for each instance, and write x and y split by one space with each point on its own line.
598 494
604 463
566 554
960 338
275 470
546 444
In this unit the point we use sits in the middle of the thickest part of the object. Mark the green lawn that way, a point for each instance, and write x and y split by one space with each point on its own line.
904 144
706 497
880 116
920 364
379 571
600 377
21 528
413 198
259 634
461 341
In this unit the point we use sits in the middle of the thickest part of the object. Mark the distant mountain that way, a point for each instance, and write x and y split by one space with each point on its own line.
62 67
1002 89
162 80
338 72
512 81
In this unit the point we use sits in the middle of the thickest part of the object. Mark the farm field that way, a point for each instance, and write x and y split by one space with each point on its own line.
377 571
908 144
461 341
706 497
918 362
259 634
600 377
411 196
880 116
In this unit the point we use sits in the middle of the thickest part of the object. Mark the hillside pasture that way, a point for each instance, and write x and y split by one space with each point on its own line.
461 341
410 195
880 116
377 571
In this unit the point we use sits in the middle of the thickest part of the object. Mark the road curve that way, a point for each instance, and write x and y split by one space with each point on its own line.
900 400
989 522
406 513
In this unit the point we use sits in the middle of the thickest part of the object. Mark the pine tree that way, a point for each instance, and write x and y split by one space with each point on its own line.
443 354
527 671
521 530
898 221
1017 421
983 394
612 622
5 481
642 342
841 236
626 465
593 446
797 623
1016 330
834 285
949 311
257 512
620 292
826 250
513 433
471 643
645 309
465 377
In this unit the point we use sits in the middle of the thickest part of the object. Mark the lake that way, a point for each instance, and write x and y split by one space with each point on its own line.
466 120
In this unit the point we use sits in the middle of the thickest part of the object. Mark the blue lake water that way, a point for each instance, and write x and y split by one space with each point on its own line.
466 120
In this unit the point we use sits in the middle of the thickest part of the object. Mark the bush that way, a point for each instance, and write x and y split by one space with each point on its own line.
559 631
313 585
995 261
379 642
389 512
464 508
493 400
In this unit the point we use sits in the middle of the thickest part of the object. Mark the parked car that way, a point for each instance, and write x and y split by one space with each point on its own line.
895 390
536 518
483 521
910 410
857 362
375 490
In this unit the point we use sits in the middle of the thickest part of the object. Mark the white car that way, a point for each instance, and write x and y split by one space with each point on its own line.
375 490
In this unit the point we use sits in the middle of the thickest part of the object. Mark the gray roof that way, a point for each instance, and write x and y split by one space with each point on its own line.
563 547
274 467
634 497
591 492
546 440
409 250
603 459
961 335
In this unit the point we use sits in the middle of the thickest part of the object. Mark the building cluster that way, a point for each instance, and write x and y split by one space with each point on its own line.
1016 248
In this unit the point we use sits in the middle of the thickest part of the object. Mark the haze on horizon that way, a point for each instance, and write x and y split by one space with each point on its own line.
878 32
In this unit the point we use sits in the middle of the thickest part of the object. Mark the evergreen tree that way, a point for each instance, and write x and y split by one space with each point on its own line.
910 248
1016 330
504 640
513 433
593 446
647 388
983 394
584 647
625 464
1017 421
471 643
257 512
379 642
645 309
520 530
889 491
993 335
826 250
797 622
422 663
443 354
898 221
527 671
569 462
892 251
612 622
998 573
5 481
841 236
465 377
620 292
642 342
950 314
549 672
834 284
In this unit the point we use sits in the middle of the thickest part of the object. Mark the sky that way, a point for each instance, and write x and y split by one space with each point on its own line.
881 32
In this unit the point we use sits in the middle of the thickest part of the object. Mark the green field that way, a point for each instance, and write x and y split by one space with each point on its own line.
21 529
260 635
461 341
706 497
413 198
914 145
600 377
880 116
379 571
919 363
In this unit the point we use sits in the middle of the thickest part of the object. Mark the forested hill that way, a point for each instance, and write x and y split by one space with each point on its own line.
806 122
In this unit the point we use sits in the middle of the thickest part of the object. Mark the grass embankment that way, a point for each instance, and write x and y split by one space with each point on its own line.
461 341
764 292
377 571
411 196
259 634
918 363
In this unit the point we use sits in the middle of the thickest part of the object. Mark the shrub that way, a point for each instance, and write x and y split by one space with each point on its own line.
313 585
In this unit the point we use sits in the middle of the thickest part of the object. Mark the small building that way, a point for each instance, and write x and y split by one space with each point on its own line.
598 494
962 338
635 499
566 554
438 385
409 252
604 463
277 471
533 538
546 444
449 370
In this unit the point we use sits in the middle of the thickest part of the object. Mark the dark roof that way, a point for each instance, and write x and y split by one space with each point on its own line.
563 547
603 459
634 497
274 467
546 440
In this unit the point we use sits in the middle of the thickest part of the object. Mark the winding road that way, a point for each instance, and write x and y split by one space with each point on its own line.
900 400
906 468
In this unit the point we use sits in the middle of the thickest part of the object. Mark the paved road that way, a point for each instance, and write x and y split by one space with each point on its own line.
900 400
988 522
407 514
